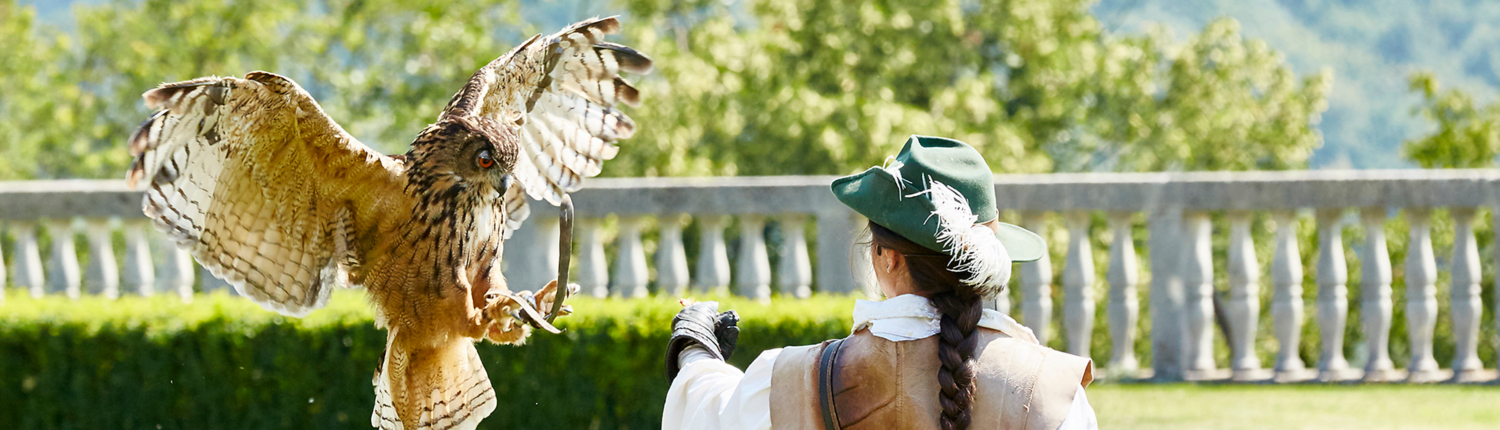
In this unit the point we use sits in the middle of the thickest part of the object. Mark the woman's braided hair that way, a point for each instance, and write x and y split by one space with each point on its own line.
961 308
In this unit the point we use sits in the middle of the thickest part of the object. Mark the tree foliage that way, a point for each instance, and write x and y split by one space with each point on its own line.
381 68
1467 135
1372 45
751 87
27 62
830 87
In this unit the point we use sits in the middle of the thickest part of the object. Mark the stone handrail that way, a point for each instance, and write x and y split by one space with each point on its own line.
1176 206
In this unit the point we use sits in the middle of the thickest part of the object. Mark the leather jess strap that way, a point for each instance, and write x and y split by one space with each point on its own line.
826 371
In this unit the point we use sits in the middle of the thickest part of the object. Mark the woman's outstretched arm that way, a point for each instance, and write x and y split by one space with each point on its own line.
710 394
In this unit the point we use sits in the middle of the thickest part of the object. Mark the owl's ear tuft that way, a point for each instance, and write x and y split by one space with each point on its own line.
480 126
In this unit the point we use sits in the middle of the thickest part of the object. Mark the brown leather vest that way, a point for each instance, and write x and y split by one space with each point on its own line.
880 384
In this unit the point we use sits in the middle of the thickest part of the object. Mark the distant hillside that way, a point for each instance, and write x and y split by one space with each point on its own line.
1372 45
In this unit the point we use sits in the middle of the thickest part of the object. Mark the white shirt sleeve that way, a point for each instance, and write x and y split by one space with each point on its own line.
1081 416
710 394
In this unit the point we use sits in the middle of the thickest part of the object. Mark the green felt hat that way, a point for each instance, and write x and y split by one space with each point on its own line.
895 202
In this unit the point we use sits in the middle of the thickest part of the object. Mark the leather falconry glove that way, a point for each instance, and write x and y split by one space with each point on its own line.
702 324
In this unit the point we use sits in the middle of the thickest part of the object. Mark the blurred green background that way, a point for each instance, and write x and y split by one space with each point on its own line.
761 87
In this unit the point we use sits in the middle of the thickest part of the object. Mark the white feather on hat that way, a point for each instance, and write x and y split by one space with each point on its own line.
974 247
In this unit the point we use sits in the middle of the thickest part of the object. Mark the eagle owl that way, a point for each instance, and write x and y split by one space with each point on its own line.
269 193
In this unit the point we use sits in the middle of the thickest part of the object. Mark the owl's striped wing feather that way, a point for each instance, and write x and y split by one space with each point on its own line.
263 189
563 91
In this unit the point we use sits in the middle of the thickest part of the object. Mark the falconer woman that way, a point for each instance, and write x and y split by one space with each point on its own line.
929 356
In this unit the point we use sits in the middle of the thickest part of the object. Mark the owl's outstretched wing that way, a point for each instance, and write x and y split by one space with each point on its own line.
562 91
263 189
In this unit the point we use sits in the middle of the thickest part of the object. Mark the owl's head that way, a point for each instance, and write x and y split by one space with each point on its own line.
462 155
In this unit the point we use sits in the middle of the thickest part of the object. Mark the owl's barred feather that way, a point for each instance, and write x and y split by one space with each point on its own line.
267 192
561 90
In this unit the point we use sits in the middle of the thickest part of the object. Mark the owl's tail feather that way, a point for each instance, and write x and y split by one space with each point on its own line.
439 388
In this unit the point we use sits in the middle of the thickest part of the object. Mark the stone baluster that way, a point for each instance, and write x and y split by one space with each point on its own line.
593 270
1124 303
1167 319
630 276
1464 295
1495 220
1078 285
1198 286
1242 310
4 277
752 272
28 259
1036 283
1375 304
64 272
1286 301
102 275
1421 297
837 227
712 275
177 273
1333 296
671 259
139 274
525 267
795 271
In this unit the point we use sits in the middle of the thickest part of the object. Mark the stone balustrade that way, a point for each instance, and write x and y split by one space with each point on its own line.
625 223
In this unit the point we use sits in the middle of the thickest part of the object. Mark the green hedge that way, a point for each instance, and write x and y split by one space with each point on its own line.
224 363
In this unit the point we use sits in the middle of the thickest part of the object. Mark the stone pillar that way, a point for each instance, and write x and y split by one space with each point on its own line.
1078 285
1333 296
1421 297
593 269
1464 295
525 267
1243 307
671 259
1286 302
631 275
1198 284
64 272
28 259
139 274
1124 303
1375 304
177 273
1036 283
1167 296
1495 222
103 274
752 274
795 271
712 275
837 225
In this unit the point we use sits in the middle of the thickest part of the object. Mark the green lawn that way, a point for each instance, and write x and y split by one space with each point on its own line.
1183 406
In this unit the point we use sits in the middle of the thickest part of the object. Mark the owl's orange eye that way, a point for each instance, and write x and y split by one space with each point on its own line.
485 159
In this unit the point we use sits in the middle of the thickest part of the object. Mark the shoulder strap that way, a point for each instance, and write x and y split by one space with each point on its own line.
826 370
